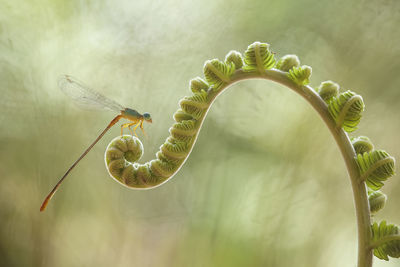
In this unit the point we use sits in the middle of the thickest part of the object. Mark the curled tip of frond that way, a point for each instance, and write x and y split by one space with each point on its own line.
217 72
300 75
377 200
197 84
362 144
121 154
234 57
124 146
385 240
288 62
258 58
327 90
375 167
346 110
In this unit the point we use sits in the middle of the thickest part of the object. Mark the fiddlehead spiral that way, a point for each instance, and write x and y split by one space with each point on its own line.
120 155
341 113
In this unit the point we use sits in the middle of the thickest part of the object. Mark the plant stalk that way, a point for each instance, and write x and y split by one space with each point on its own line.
346 148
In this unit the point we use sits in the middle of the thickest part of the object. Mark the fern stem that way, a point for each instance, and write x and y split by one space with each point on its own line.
346 148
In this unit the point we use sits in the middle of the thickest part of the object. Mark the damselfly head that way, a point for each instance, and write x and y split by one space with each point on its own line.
147 117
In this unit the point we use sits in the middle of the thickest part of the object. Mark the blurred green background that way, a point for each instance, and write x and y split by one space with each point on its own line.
265 184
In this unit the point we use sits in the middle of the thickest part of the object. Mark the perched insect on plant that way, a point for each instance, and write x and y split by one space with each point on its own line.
87 98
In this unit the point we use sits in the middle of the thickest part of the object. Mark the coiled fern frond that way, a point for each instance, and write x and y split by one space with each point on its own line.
377 200
287 62
385 240
195 105
234 57
198 84
327 90
375 167
218 73
362 144
258 58
346 110
300 75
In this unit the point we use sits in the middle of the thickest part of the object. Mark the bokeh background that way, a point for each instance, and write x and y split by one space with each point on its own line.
265 184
